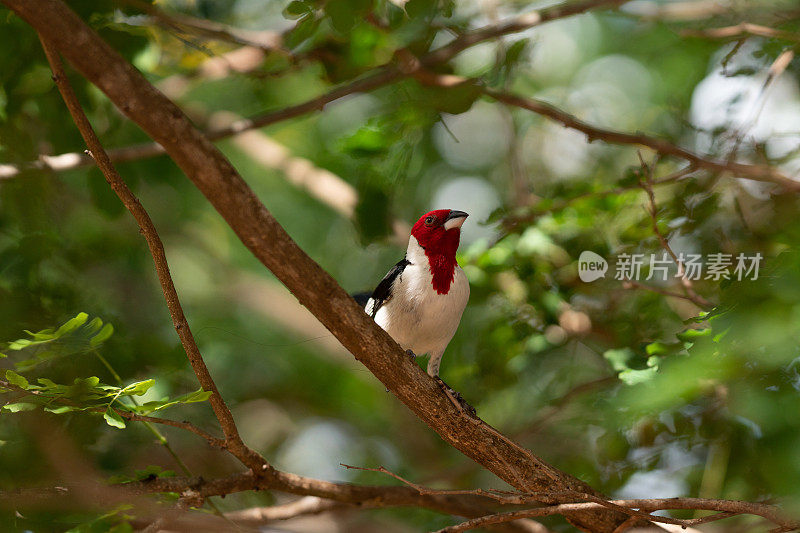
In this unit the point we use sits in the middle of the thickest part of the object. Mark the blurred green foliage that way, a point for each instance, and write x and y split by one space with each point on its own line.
637 393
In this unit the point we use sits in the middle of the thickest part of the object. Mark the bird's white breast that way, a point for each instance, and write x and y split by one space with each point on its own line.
416 316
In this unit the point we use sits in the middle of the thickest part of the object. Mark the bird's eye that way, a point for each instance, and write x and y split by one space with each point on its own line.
429 220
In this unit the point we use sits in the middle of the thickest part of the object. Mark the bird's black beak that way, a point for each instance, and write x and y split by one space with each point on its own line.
455 219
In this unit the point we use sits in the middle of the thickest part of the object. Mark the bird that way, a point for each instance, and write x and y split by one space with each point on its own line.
420 301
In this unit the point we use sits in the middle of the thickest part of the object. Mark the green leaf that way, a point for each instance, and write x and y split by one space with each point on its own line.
297 9
514 53
453 100
619 358
94 326
304 29
663 348
421 8
15 379
196 396
48 384
19 344
102 335
138 388
72 324
20 406
635 377
62 409
113 419
691 335
199 395
344 14
153 471
366 141
44 335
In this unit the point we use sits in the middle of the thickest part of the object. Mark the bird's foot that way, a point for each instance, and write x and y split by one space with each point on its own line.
458 401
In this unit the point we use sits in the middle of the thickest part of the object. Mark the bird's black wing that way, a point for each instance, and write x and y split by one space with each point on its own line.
383 291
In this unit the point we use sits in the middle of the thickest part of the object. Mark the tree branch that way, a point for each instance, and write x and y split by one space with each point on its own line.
727 508
743 29
311 505
515 25
661 146
658 145
233 441
268 41
336 495
379 77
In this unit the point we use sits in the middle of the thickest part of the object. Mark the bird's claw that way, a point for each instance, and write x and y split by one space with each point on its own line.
458 401
412 355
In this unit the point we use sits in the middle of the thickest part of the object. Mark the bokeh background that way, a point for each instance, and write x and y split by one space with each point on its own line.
600 379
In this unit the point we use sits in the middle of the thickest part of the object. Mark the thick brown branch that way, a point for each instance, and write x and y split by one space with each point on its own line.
147 228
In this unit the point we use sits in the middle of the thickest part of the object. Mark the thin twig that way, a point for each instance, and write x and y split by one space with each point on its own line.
519 498
307 505
426 491
266 40
744 28
233 441
151 427
631 284
646 183
515 221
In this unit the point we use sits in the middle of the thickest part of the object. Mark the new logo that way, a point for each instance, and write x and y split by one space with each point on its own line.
591 266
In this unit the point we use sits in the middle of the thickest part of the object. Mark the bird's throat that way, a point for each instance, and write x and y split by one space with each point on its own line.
442 270
442 262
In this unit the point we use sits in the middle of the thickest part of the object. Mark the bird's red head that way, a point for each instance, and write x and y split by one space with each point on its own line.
438 233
